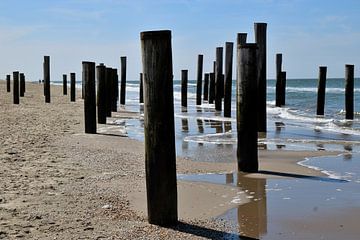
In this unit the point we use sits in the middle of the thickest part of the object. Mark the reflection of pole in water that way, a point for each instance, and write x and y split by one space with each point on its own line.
229 178
198 109
200 125
219 127
185 125
252 216
227 126
278 127
348 155
185 145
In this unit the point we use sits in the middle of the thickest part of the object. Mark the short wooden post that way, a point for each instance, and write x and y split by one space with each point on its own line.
47 78
283 87
72 87
278 93
260 39
206 87
8 83
109 89
101 93
349 91
219 84
160 155
114 79
184 83
123 81
141 93
16 99
321 91
246 109
199 79
229 46
90 96
212 88
64 84
22 84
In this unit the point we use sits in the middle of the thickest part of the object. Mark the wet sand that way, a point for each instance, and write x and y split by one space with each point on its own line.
59 183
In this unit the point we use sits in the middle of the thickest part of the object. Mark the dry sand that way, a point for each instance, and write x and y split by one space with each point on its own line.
58 183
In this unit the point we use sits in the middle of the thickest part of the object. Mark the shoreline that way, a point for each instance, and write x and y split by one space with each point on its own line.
58 181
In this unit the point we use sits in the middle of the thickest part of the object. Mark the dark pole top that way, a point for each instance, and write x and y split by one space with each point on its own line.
249 45
261 23
155 34
87 62
349 65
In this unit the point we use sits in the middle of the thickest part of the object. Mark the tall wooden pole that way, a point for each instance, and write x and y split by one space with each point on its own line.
260 39
321 91
160 155
115 89
141 97
47 78
349 91
206 87
219 84
199 79
283 87
101 93
229 46
123 81
278 92
72 87
22 84
90 96
109 89
8 83
16 99
246 109
184 83
64 84
212 85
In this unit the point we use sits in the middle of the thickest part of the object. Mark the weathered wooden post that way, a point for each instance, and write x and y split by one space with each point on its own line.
321 91
260 39
123 81
22 84
141 97
16 99
72 87
246 109
219 84
184 83
8 83
109 90
212 84
206 87
349 91
283 87
160 156
47 78
229 46
114 81
101 93
199 79
90 96
64 84
278 88
82 86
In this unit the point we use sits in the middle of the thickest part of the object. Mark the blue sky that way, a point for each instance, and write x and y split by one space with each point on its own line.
308 33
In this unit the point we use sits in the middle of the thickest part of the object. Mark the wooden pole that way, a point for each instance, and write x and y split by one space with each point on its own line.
123 81
212 85
101 93
16 98
72 87
184 83
115 89
22 84
8 83
206 87
90 96
321 91
260 39
47 78
141 97
83 86
219 84
283 87
246 109
109 89
199 79
64 84
349 91
160 155
229 46
278 93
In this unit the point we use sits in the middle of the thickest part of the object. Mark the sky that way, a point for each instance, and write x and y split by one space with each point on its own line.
309 33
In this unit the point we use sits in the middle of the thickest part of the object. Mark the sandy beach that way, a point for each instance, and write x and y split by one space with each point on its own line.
58 183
